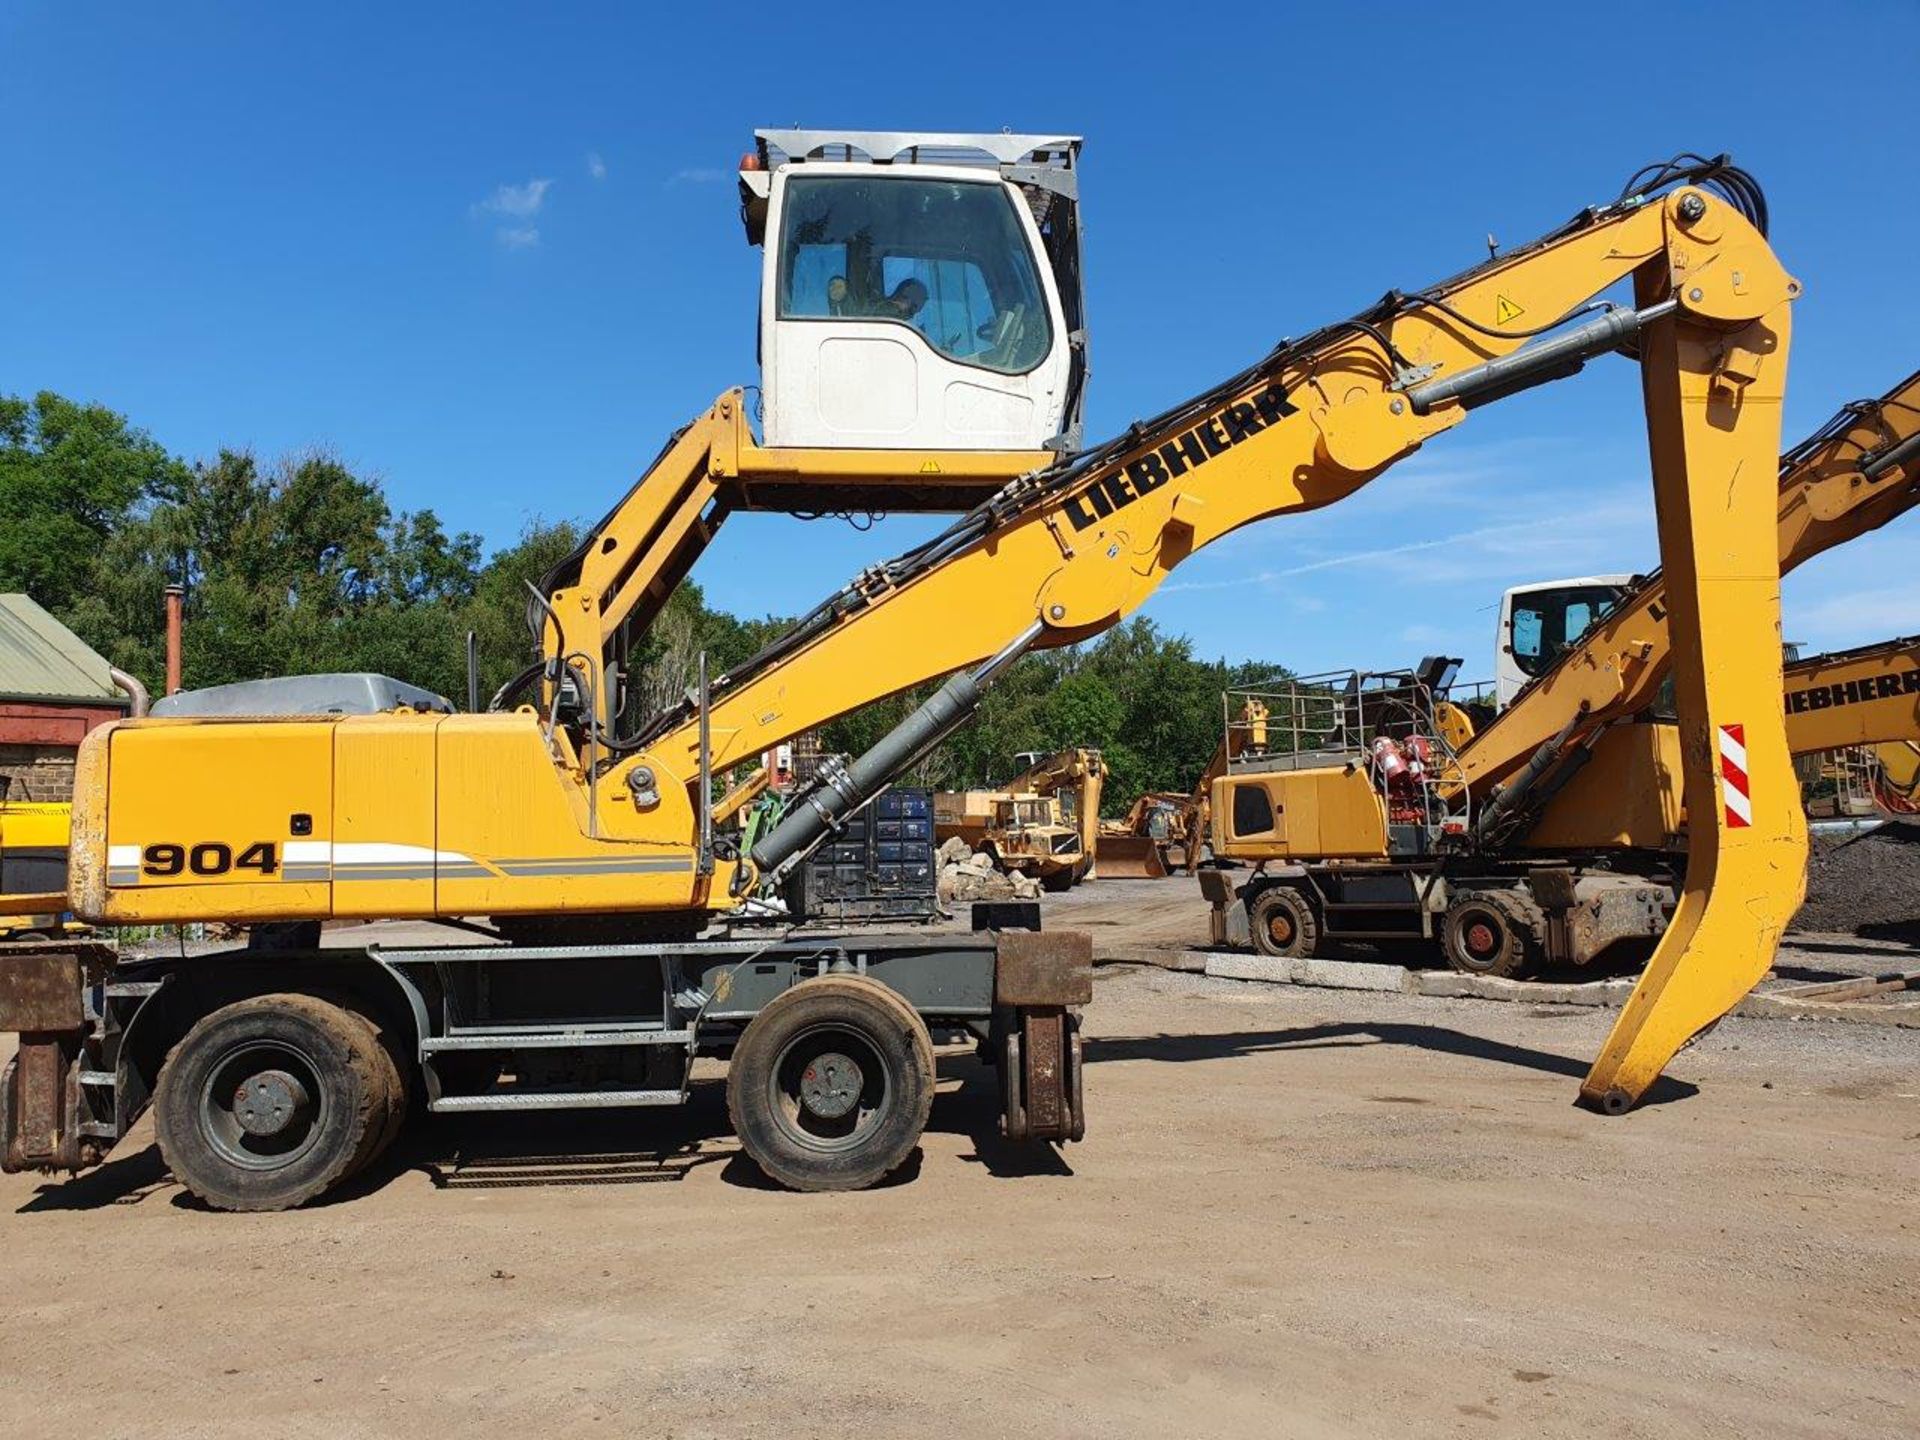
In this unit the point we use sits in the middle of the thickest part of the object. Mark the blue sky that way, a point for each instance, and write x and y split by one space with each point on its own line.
490 252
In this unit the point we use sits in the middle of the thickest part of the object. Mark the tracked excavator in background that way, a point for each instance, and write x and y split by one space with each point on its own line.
627 936
1551 829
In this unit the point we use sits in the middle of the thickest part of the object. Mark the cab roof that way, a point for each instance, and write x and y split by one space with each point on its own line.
916 147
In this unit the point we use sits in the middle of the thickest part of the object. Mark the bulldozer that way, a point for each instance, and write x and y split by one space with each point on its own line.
1165 831
1043 822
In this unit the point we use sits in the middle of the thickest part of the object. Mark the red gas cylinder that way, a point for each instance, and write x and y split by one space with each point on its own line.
1419 751
1392 763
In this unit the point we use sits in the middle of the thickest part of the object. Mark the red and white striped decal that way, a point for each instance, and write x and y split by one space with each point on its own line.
1733 776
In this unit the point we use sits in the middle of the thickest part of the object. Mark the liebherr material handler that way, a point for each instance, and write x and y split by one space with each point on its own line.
1555 831
623 923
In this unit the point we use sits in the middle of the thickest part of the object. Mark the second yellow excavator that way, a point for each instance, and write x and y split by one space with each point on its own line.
1553 831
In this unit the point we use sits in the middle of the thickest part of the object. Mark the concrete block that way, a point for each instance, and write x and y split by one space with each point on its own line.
1250 967
1445 984
1353 975
1194 961
1904 1016
1453 984
1327 974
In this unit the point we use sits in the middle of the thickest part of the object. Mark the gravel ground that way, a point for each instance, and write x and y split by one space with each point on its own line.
1298 1212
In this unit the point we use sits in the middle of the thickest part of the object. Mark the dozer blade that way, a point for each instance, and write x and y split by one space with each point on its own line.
1129 857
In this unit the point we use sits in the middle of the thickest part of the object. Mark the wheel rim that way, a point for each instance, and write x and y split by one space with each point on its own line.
1480 939
830 1088
1280 927
263 1105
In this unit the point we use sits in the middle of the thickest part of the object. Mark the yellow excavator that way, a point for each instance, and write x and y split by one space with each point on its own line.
1556 830
1044 822
922 342
1865 701
1075 780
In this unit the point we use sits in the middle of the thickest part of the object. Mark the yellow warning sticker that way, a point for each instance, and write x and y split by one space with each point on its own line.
1505 312
930 467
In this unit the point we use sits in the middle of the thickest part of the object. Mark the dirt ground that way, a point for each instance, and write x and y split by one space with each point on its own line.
1298 1212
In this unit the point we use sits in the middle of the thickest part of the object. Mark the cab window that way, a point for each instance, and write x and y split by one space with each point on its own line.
948 259
1546 623
1252 810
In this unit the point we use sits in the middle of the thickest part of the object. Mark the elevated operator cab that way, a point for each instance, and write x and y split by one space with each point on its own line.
1541 621
919 291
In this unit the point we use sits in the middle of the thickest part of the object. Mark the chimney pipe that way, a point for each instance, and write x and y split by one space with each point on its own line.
176 595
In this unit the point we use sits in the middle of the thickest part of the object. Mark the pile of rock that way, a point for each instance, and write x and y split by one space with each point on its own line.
967 874
1866 884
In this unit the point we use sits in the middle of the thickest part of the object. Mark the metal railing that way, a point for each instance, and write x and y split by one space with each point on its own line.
1335 718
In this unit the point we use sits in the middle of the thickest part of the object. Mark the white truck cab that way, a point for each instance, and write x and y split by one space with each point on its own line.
918 291
1539 621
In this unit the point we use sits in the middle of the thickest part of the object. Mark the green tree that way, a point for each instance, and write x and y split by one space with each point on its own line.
70 474
300 568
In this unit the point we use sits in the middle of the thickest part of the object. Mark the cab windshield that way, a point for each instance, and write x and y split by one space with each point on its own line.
946 258
1547 622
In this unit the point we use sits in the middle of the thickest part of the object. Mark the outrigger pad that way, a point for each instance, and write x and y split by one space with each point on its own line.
40 988
1043 968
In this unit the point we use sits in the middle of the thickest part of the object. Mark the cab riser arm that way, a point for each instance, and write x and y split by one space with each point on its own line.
1089 546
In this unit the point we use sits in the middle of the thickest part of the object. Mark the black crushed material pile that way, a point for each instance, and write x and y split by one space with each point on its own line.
1865 884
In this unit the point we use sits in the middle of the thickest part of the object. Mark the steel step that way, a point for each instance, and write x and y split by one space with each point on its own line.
549 1039
556 1100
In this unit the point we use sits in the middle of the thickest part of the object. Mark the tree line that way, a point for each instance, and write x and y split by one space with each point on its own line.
301 566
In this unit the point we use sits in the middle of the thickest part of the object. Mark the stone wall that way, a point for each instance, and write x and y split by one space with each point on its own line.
36 772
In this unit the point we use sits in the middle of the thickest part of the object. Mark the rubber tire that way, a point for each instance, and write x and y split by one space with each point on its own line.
1290 904
344 1054
395 1098
1519 950
398 1096
1059 881
896 1033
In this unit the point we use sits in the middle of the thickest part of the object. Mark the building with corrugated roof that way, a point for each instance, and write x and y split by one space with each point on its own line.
54 688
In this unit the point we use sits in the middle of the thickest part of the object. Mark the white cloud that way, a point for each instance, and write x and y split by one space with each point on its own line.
518 237
596 167
518 201
697 175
